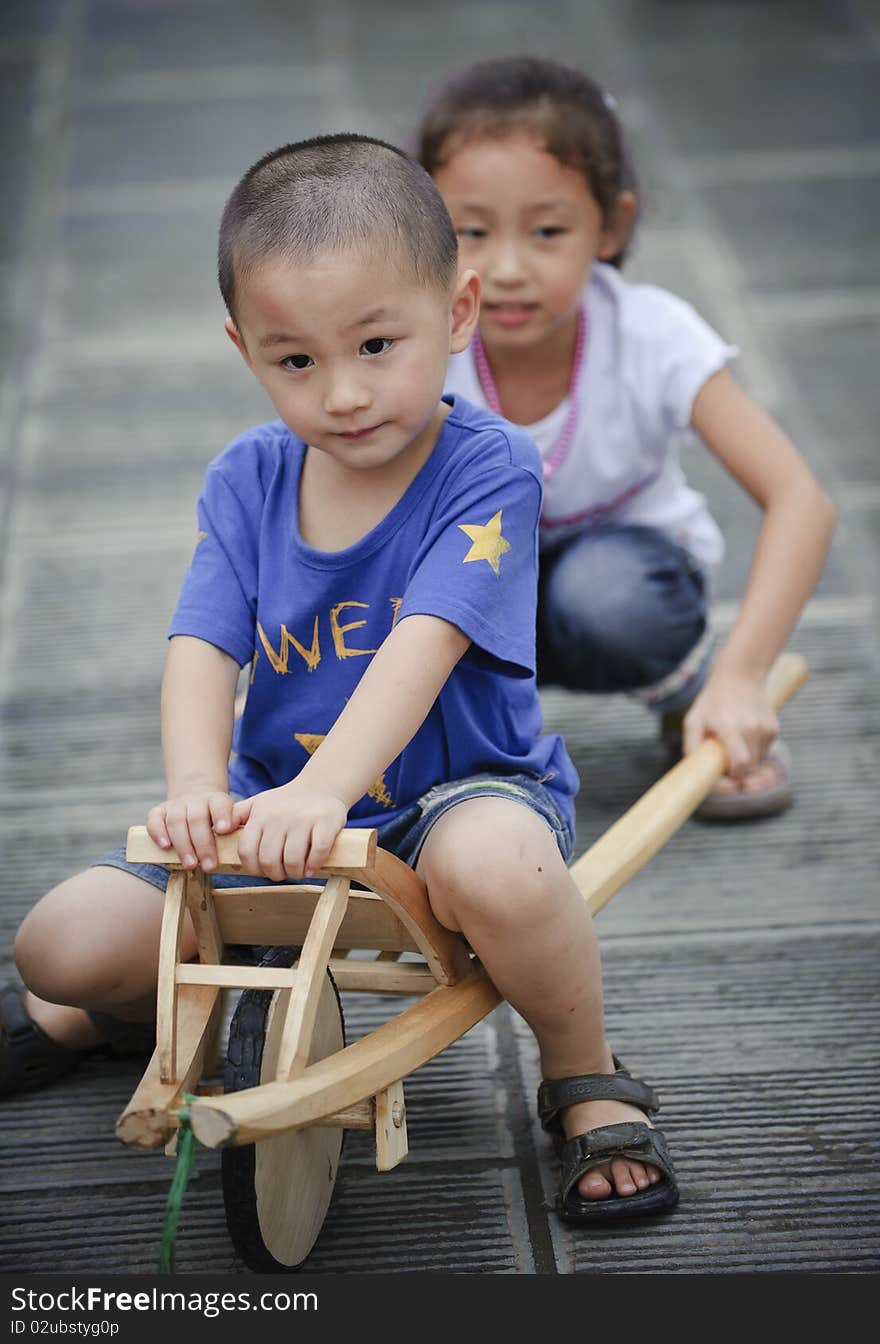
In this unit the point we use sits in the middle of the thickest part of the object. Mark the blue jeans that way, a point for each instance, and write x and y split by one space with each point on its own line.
624 609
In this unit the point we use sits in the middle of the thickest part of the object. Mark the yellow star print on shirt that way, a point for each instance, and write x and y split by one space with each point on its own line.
487 542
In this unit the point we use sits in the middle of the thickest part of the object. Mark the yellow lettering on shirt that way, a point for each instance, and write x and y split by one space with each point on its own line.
279 660
338 631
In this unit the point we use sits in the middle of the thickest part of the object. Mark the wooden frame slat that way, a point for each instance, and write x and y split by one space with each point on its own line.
200 904
166 990
281 915
372 977
235 977
299 1021
396 977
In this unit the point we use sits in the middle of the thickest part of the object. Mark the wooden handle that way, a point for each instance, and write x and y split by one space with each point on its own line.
786 677
353 848
627 846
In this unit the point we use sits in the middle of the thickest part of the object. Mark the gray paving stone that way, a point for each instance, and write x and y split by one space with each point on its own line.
805 235
169 141
32 17
112 265
785 27
214 33
834 367
764 97
762 1103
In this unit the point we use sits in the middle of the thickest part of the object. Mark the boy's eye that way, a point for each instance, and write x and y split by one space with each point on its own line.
549 231
296 362
376 345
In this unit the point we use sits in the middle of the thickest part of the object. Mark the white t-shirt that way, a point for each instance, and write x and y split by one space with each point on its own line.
647 355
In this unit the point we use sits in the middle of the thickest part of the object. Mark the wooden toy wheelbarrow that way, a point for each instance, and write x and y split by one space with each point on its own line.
296 1085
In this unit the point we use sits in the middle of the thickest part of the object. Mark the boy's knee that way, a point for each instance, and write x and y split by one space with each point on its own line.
35 955
51 950
499 864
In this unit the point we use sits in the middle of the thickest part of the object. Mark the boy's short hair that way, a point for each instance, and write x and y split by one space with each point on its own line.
336 192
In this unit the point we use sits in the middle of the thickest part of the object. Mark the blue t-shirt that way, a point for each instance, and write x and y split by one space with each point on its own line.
460 544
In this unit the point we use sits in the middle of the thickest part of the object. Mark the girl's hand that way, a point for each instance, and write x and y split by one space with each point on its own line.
736 711
189 822
288 832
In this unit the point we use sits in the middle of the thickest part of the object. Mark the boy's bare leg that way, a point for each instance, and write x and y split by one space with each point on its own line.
92 944
494 873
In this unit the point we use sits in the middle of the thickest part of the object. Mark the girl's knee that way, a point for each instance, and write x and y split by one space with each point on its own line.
620 611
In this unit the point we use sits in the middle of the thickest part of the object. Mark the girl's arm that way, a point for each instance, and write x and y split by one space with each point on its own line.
198 690
796 533
289 830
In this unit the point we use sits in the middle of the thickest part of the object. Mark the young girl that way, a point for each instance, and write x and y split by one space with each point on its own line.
606 376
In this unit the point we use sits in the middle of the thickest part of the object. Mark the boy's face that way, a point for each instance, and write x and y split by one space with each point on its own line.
352 351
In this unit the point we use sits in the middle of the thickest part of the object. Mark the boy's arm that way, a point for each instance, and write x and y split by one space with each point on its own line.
795 536
290 830
198 691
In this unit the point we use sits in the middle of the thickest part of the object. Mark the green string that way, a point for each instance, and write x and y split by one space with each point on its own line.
186 1151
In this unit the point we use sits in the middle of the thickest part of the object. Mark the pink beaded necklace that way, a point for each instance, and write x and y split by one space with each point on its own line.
490 392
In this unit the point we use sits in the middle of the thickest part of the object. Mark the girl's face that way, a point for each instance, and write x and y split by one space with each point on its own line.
530 227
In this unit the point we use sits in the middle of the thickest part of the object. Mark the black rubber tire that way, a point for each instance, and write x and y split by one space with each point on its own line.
239 1165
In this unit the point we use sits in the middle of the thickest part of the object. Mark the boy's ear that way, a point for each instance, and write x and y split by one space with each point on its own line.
465 310
237 340
616 232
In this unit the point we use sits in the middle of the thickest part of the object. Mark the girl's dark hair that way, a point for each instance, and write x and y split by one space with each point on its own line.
570 113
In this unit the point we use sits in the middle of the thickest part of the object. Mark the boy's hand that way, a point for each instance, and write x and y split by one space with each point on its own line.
189 822
288 832
736 711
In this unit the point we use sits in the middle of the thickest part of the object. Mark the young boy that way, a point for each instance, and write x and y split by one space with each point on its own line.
373 554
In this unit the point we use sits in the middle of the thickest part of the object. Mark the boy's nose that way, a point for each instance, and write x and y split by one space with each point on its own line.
344 393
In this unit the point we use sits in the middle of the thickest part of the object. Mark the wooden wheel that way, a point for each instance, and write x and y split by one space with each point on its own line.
277 1191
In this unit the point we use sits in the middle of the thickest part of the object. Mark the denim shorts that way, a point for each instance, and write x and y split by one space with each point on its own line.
407 832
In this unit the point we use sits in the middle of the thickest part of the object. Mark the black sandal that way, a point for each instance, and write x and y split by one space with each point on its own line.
30 1059
581 1154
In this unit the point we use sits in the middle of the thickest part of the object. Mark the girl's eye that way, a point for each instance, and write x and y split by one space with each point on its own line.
376 345
297 362
472 234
